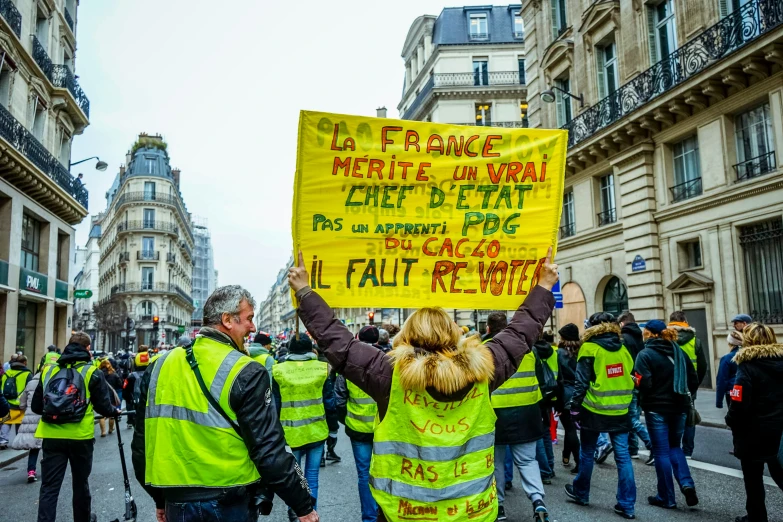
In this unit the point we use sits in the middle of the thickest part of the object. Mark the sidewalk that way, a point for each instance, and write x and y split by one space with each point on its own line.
9 456
710 415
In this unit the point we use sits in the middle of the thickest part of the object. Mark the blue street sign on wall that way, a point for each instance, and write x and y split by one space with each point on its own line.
558 295
638 264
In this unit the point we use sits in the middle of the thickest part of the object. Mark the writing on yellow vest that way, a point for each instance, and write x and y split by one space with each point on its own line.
434 460
82 430
302 412
611 392
521 389
362 409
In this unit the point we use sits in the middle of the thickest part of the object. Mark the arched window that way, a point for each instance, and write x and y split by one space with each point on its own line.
145 310
615 297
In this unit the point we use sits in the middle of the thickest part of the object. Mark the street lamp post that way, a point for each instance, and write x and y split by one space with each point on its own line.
99 165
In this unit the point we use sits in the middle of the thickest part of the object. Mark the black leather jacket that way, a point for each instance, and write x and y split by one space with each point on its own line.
251 399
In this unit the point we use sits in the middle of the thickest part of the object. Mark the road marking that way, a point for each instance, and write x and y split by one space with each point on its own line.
706 466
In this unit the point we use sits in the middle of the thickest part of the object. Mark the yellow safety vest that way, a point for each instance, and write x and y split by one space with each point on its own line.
552 362
611 392
20 376
263 358
302 412
435 460
142 359
362 410
82 430
187 441
521 389
690 350
50 359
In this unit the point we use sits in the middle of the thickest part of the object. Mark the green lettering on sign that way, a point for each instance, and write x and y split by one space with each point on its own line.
82 294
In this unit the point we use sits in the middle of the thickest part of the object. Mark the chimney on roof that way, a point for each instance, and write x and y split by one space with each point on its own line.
175 174
122 170
380 112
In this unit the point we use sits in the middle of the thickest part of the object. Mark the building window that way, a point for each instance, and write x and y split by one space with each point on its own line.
5 81
662 29
31 242
519 25
615 297
559 19
523 113
147 278
42 28
149 218
689 255
147 246
39 118
762 246
484 114
608 213
146 310
149 190
563 102
607 69
480 72
568 220
27 321
755 150
149 163
65 148
478 27
521 63
687 171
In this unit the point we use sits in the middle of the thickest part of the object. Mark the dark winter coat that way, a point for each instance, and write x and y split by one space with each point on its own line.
633 339
250 399
607 336
655 371
756 409
113 380
727 373
567 373
684 337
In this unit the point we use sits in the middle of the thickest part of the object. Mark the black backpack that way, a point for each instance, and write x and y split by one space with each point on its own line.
10 390
549 385
65 397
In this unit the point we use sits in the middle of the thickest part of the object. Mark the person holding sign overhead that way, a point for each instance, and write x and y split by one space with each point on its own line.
433 447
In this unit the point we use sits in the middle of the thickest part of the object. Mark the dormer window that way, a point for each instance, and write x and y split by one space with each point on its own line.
478 28
519 26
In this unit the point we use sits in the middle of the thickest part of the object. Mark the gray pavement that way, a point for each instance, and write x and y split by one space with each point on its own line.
722 496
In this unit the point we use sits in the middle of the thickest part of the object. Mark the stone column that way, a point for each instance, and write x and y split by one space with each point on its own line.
716 265
729 273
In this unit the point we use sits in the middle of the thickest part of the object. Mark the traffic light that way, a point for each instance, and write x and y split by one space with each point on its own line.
371 317
155 322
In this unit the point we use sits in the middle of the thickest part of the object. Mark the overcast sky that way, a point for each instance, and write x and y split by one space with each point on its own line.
223 82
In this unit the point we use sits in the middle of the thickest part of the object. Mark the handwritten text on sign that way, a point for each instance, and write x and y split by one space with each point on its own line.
401 214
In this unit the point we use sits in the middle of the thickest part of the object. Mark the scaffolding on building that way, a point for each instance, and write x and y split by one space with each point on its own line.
203 268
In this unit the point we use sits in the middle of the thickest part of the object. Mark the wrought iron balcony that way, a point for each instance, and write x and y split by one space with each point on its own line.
424 93
607 217
63 78
12 16
755 167
733 32
22 140
522 124
162 226
151 287
134 197
124 257
147 255
171 258
686 190
478 37
184 245
41 57
567 230
68 18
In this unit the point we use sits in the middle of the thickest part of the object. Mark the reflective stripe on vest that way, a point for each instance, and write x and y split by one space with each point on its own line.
187 442
690 350
435 460
611 392
361 409
302 412
82 430
521 389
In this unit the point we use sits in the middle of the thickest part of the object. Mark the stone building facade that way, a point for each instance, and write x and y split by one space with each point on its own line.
674 180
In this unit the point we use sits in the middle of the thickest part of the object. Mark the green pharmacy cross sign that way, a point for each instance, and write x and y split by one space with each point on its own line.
82 294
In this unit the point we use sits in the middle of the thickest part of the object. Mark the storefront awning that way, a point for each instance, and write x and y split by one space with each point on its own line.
32 296
6 289
63 302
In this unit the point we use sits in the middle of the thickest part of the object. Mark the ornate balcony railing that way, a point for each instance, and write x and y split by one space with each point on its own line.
607 217
63 78
12 16
478 79
522 124
686 190
478 37
567 230
727 36
22 140
133 197
171 258
123 258
144 286
755 167
423 95
163 226
68 18
41 57
147 255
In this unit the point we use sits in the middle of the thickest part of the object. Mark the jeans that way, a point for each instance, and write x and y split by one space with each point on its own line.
666 434
638 428
211 511
753 475
311 468
57 454
362 453
688 440
524 456
626 485
508 467
545 456
32 459
5 432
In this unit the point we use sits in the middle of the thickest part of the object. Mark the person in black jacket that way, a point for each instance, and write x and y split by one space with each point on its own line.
756 415
567 352
544 452
633 340
665 376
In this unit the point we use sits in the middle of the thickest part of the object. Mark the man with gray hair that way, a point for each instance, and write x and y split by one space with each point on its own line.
205 452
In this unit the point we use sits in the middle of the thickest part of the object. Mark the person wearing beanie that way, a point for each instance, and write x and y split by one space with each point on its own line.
304 397
259 350
666 379
600 403
727 370
368 334
433 395
568 351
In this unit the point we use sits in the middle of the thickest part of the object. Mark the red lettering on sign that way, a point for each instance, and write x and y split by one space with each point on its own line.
736 393
614 370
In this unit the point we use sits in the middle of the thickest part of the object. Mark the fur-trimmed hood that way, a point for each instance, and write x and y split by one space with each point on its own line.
446 371
762 351
605 335
684 333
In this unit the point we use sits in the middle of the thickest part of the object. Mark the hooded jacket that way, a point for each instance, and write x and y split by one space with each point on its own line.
756 409
608 337
655 370
633 339
684 336
566 373
727 373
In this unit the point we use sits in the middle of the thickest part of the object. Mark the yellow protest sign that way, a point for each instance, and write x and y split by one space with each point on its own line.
404 214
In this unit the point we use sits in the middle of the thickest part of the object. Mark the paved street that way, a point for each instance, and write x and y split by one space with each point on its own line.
722 496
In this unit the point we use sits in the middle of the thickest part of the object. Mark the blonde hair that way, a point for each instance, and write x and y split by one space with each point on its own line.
430 329
756 334
669 334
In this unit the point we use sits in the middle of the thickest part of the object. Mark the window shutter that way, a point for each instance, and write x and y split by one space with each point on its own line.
651 36
600 72
723 7
555 27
